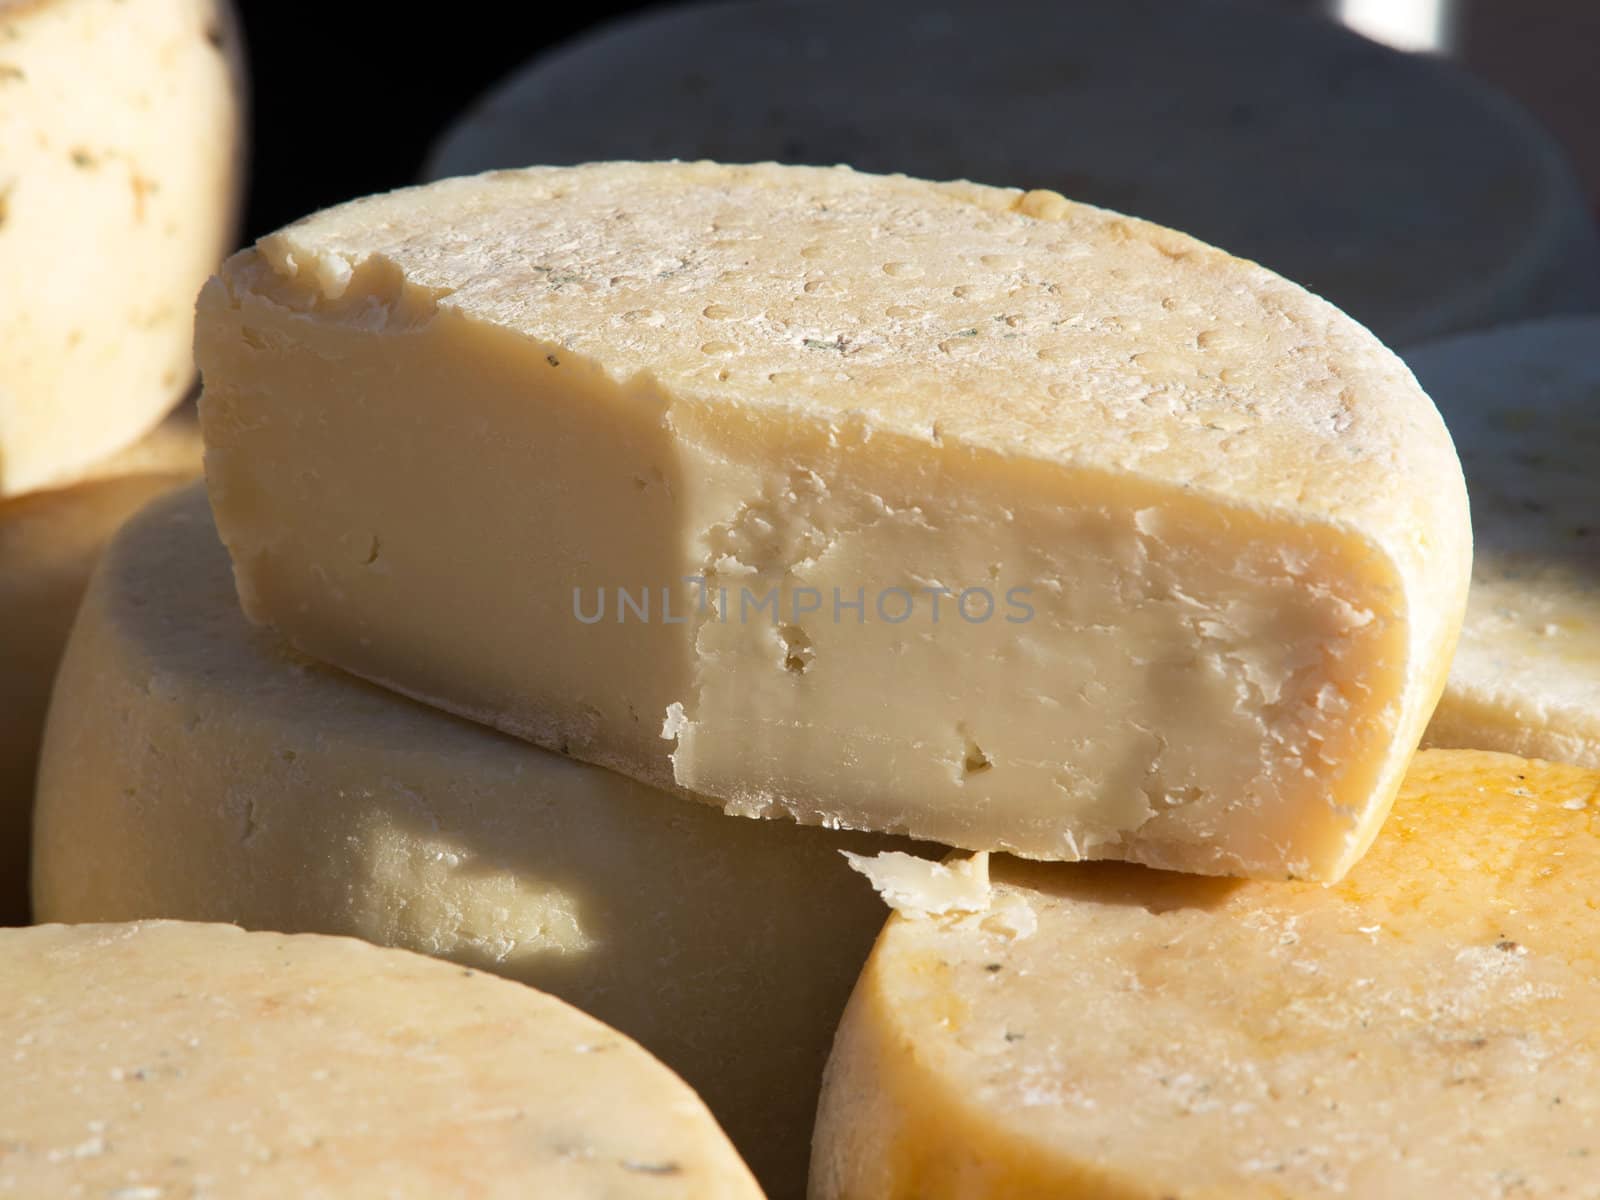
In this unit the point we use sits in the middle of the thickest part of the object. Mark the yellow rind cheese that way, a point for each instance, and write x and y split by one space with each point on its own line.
1523 404
49 542
1428 1029
121 164
942 509
163 1059
196 768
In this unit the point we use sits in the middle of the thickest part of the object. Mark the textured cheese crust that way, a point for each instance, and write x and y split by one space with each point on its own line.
1524 406
195 768
1200 542
1343 165
121 151
1425 1030
49 543
162 1059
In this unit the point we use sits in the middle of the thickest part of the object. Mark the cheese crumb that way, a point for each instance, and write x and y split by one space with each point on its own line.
1011 917
919 887
676 722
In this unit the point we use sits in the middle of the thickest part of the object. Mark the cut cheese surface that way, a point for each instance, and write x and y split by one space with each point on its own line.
1343 165
121 151
49 542
1425 1030
1523 403
196 768
165 1059
935 509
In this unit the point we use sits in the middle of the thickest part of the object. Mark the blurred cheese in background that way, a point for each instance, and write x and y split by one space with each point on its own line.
49 543
1427 1028
196 768
1394 185
1540 51
160 1060
120 164
1523 404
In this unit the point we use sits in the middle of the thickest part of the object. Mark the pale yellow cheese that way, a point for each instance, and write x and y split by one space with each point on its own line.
1429 1029
121 148
1523 404
1016 524
160 1059
195 768
49 542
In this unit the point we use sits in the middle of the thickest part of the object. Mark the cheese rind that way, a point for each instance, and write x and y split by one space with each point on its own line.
1369 193
1427 1027
121 162
49 543
1523 404
194 767
931 508
164 1058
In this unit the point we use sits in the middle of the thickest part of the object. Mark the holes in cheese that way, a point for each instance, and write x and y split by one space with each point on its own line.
194 767
1521 403
121 154
162 1058
49 542
1427 1027
1038 528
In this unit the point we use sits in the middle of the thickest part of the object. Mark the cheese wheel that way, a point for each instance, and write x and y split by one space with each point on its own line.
1343 165
163 1058
936 509
49 542
1523 403
1426 1029
121 151
194 768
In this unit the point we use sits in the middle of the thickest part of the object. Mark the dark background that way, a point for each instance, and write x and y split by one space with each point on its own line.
347 101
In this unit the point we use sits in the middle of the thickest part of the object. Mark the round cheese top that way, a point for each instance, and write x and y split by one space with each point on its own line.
1426 1028
165 1059
1344 165
1523 404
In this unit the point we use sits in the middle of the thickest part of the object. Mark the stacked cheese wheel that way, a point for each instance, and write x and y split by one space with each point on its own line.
196 768
120 167
1523 404
596 564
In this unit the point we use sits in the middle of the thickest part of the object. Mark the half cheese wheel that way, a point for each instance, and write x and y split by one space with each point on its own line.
1425 1029
1523 404
195 768
1344 165
49 542
953 511
164 1059
121 148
